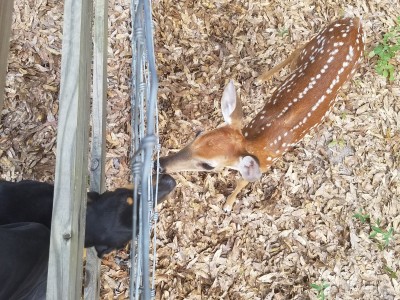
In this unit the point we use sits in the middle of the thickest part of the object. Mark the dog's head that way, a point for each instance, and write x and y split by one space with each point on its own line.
109 216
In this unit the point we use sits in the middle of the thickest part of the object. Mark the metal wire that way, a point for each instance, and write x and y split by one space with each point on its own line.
144 145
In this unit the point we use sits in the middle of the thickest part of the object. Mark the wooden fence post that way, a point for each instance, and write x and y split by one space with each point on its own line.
100 34
6 10
69 207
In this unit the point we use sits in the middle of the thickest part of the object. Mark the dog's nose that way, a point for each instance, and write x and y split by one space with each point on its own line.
165 185
168 180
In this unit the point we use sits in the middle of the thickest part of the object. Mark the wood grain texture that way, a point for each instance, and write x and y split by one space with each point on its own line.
69 209
6 10
97 182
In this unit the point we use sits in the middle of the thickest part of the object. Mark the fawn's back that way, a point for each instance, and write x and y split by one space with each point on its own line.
307 95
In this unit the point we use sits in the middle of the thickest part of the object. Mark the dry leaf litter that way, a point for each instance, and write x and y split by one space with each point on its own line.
290 229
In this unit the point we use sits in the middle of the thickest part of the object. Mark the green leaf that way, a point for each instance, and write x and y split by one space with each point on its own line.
315 286
391 75
386 50
392 274
376 229
378 49
395 48
361 217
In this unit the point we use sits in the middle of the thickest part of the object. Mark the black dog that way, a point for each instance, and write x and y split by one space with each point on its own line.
25 220
24 255
108 216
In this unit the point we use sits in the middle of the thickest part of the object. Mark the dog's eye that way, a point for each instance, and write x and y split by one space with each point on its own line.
198 133
206 166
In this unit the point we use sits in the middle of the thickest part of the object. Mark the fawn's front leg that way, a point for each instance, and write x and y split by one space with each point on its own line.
240 184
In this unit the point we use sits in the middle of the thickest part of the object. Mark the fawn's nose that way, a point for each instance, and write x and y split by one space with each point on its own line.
159 166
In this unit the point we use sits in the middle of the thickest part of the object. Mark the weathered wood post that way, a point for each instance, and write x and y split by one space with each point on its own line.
6 10
97 184
69 208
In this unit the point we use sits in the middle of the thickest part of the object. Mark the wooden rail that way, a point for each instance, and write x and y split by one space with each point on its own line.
6 10
69 208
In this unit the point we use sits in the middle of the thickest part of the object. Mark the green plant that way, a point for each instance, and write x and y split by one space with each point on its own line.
392 274
361 217
340 143
320 289
386 50
282 32
385 235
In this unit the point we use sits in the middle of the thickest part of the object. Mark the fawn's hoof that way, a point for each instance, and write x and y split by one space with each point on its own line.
227 208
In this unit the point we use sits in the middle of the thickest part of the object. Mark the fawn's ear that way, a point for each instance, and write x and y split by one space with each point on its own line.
231 107
249 168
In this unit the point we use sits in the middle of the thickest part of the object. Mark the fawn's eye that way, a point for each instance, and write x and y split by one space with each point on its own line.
198 133
206 166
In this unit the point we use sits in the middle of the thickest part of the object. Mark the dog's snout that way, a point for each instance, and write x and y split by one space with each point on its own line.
168 180
165 185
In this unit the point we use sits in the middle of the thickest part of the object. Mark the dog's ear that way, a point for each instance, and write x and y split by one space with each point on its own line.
92 196
102 250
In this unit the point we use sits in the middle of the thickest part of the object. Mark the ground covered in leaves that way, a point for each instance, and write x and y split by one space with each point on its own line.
293 228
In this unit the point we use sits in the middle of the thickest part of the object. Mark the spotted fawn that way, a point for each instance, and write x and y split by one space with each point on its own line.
298 105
